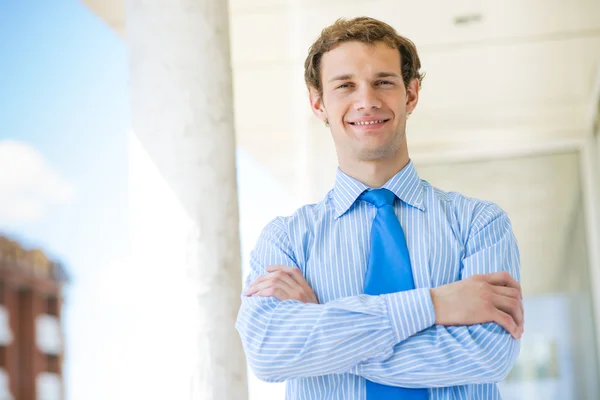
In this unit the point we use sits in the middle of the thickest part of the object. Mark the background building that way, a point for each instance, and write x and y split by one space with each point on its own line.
31 338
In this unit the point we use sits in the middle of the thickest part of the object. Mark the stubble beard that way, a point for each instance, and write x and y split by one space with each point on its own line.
385 151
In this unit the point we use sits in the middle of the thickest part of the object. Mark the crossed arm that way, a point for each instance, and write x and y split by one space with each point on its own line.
451 335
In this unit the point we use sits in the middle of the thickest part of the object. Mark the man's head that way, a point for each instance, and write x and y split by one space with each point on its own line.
361 71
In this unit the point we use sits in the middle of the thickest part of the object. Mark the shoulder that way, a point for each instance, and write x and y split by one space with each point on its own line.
291 235
300 221
472 214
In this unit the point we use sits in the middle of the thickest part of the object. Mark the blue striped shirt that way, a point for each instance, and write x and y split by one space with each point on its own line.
326 350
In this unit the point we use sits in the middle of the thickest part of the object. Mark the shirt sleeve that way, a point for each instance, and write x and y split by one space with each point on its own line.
290 339
443 356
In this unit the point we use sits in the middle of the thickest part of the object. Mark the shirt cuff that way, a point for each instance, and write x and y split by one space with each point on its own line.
410 312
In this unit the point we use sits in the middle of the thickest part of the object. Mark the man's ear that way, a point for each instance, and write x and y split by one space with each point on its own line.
412 95
316 105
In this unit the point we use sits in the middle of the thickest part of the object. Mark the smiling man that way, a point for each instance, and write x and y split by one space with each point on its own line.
388 288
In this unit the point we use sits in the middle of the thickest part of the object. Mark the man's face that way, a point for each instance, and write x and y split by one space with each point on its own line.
365 100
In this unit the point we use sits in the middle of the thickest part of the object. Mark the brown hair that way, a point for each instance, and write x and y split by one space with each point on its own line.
366 30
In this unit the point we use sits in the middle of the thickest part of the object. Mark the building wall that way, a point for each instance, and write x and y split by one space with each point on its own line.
32 358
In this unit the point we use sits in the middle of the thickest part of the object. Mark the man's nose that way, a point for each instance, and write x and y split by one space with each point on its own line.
367 99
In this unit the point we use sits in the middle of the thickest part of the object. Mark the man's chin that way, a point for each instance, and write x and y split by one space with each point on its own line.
376 153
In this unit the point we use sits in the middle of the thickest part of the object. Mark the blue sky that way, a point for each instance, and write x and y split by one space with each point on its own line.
63 79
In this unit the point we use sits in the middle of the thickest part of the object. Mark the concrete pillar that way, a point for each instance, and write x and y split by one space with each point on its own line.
184 205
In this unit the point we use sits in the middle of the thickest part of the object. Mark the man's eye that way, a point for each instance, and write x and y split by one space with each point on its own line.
343 86
385 83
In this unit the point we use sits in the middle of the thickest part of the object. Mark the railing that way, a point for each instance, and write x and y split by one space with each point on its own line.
31 262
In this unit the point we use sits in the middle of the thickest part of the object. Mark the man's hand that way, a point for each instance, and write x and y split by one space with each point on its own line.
494 297
283 283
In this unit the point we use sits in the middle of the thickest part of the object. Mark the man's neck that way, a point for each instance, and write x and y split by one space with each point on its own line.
375 173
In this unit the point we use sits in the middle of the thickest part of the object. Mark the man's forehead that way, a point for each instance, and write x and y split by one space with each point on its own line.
352 58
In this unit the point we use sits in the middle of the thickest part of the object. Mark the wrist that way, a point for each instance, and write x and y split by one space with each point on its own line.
418 303
436 307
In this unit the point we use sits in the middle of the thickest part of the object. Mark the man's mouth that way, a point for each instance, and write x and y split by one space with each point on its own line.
366 123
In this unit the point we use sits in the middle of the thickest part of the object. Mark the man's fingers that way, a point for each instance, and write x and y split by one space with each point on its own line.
287 282
273 268
275 284
502 278
257 286
297 276
273 278
507 291
261 279
274 291
507 322
293 272
513 293
511 307
266 283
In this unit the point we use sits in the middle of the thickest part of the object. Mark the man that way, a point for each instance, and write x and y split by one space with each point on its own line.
388 288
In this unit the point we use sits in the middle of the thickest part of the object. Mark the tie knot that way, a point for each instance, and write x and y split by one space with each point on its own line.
378 197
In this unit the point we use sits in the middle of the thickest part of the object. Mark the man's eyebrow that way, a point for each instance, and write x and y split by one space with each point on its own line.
384 74
341 77
387 75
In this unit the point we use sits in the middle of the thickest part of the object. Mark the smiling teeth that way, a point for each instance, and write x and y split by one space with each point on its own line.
369 122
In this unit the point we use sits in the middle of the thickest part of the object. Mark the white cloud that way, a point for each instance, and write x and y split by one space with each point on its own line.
28 184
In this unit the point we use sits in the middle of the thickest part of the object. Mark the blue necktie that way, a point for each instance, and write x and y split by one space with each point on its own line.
388 271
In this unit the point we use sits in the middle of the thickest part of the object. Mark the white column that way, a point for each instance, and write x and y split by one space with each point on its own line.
590 167
184 205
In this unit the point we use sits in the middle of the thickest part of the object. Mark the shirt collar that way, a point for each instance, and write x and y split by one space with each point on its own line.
406 185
